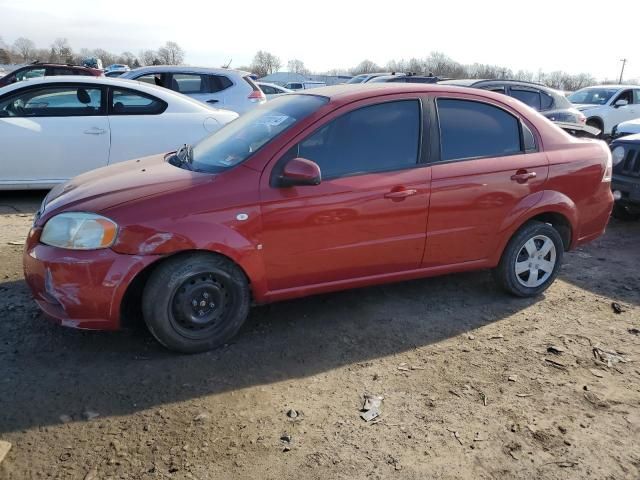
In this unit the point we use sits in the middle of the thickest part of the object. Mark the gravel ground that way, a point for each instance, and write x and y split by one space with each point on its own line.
476 384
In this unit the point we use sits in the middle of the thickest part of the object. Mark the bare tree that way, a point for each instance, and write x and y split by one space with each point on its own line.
5 56
147 57
25 48
127 58
265 63
365 66
61 51
171 54
297 66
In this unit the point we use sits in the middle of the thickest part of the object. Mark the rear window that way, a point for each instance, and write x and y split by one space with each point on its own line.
238 140
471 129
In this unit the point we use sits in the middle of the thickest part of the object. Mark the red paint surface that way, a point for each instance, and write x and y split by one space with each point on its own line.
346 232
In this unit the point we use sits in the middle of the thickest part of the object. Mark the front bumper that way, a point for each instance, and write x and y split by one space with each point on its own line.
629 188
80 289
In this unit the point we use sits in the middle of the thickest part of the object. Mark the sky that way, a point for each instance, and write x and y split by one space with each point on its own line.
574 36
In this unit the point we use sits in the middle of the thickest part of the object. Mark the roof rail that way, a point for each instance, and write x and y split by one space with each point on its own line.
510 80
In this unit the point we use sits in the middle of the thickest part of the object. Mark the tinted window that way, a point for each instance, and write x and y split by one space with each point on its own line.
546 101
528 97
152 78
370 139
217 83
61 71
128 102
496 89
53 101
268 90
472 129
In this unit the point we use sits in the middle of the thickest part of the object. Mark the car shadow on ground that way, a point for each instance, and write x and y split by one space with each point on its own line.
48 370
609 266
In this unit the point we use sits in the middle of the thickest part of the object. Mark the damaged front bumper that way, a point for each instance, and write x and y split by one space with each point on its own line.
80 289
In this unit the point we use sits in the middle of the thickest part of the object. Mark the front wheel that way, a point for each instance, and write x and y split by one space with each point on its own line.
195 302
531 260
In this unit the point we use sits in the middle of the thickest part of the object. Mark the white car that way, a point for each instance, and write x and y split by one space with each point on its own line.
304 85
605 106
272 90
623 129
54 128
224 88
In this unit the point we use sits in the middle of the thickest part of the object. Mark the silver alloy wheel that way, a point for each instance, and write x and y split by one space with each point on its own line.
535 261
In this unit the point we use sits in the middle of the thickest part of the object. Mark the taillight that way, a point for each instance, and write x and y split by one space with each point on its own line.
257 96
582 118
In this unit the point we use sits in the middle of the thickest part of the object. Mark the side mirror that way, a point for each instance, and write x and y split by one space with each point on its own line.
300 171
621 103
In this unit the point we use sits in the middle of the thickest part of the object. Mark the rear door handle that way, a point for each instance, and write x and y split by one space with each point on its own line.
212 100
95 131
401 193
522 177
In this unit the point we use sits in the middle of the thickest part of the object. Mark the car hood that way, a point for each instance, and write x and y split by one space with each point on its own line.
107 187
585 106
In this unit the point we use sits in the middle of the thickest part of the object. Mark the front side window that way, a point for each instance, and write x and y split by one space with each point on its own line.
238 140
370 139
625 95
470 129
128 102
53 102
30 73
528 97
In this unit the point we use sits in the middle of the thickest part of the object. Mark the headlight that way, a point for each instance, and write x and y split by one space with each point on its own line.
617 155
79 231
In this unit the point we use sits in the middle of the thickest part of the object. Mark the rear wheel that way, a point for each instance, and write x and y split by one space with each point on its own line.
531 260
595 123
195 302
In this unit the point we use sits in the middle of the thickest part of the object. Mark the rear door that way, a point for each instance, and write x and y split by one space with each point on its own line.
209 89
50 133
367 216
488 171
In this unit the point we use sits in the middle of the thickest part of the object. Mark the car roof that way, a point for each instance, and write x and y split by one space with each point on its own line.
185 68
619 87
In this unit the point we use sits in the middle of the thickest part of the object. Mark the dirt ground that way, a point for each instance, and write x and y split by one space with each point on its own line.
471 386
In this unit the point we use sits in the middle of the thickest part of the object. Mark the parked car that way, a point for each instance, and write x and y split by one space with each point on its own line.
626 177
366 77
607 105
37 70
304 85
221 87
116 70
403 79
313 193
549 102
272 90
630 127
54 128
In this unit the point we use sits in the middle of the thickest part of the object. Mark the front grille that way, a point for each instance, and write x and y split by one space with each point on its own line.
630 164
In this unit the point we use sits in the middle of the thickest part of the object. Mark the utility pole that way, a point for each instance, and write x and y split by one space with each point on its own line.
624 62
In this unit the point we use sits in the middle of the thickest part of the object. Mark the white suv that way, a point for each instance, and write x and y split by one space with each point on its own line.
606 106
218 87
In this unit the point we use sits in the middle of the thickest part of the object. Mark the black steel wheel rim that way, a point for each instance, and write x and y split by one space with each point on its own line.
200 305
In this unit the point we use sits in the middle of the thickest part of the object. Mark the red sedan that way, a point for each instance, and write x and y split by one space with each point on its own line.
337 188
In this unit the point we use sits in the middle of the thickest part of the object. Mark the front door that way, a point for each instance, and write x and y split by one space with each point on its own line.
489 169
52 133
368 215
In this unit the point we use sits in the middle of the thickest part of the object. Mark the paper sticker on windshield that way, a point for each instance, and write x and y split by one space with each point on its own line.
274 120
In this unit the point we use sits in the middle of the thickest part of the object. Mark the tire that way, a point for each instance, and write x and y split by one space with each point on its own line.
195 302
596 124
621 212
516 267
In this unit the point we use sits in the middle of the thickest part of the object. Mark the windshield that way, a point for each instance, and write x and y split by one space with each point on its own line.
593 96
357 79
238 140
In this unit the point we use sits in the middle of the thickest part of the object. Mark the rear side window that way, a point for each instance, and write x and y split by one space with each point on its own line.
268 90
128 102
528 97
370 139
61 71
68 101
218 83
189 83
546 101
470 129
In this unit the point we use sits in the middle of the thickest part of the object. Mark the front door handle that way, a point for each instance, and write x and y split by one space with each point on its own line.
400 193
95 131
523 176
